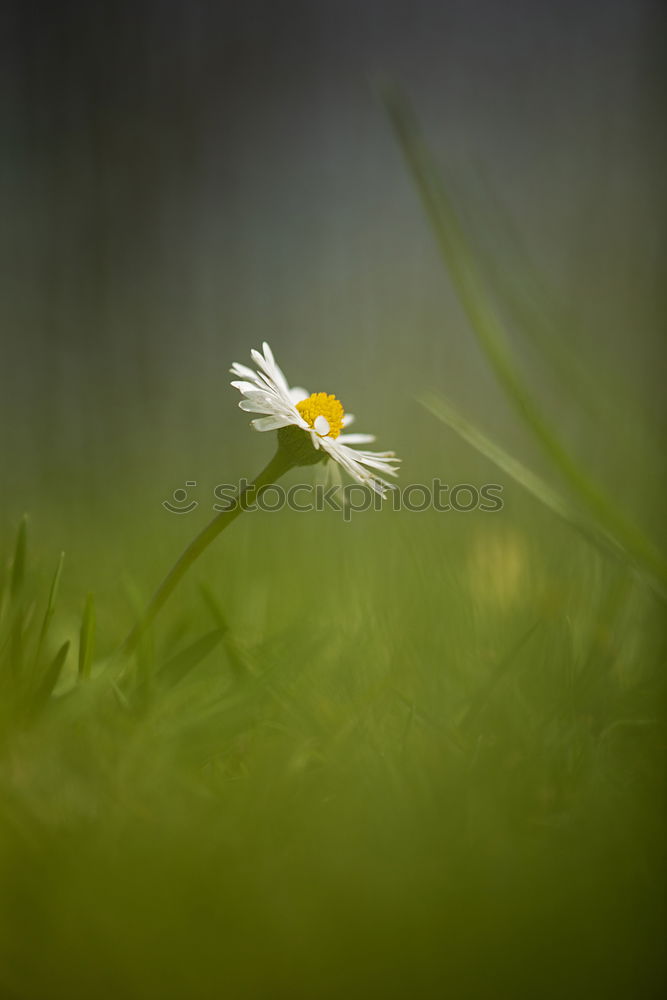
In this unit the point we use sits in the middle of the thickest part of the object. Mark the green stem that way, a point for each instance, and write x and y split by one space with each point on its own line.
276 468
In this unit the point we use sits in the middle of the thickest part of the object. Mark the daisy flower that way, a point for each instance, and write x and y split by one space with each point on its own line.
319 415
309 430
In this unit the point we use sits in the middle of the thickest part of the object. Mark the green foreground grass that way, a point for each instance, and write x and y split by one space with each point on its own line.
429 765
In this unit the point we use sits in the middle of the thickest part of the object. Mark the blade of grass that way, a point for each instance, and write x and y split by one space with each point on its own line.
16 644
522 291
87 638
234 655
176 668
51 677
50 607
444 411
492 338
213 607
4 590
19 560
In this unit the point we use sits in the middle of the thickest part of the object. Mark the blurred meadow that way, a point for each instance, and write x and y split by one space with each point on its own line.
396 754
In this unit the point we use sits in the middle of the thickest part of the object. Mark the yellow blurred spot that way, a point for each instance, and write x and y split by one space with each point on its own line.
498 569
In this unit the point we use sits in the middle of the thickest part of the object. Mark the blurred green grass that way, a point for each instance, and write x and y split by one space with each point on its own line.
423 754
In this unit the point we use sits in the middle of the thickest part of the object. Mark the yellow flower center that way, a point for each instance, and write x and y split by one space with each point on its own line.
323 412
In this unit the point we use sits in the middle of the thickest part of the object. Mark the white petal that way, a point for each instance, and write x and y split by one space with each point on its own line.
270 423
356 438
271 369
244 386
322 425
250 406
348 419
349 459
263 396
238 369
297 394
280 378
339 454
373 463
